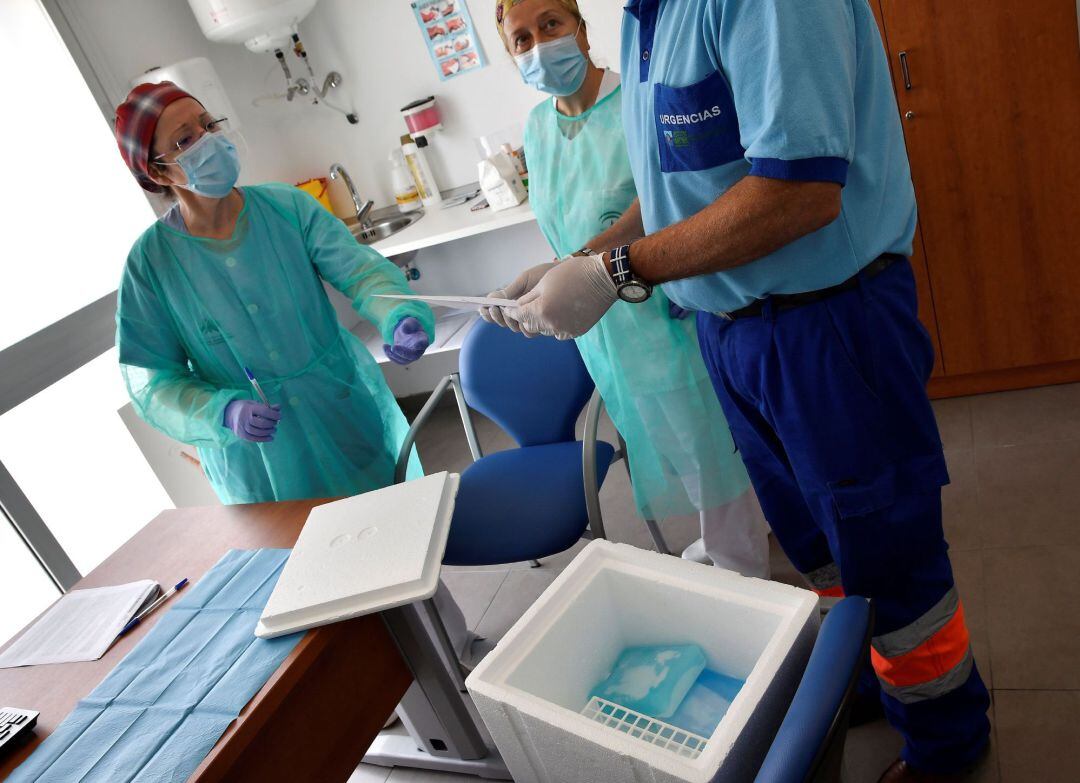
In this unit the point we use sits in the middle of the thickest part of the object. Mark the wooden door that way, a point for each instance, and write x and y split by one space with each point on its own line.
992 122
918 255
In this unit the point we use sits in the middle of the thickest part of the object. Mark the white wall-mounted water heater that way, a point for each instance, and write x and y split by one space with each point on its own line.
261 25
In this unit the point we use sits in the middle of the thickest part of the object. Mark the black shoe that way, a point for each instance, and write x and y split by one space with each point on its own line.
902 772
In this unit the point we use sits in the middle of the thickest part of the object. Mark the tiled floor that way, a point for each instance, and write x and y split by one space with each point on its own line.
1012 515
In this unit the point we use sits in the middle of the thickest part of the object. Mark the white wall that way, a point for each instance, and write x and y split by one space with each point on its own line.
124 38
380 51
379 48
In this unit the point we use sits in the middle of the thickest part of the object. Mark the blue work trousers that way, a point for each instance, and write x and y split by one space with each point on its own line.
827 405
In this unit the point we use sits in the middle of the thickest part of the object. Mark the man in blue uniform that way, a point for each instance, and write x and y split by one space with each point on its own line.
776 200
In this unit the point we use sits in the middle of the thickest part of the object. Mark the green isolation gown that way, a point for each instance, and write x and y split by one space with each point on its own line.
646 365
193 312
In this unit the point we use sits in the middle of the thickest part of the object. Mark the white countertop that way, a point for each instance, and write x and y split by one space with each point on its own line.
444 225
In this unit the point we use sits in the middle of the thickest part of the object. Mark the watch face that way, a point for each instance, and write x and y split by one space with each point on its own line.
634 293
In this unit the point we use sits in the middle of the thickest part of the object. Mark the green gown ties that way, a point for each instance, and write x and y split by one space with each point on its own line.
647 366
193 312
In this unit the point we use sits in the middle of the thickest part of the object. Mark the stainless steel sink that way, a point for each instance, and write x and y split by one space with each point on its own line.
380 227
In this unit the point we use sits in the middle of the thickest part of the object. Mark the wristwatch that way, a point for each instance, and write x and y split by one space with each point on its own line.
629 286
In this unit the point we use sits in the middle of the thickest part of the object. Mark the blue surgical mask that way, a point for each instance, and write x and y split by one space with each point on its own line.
212 165
556 67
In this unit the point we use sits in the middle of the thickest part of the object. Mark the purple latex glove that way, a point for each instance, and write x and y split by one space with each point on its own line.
410 342
677 313
252 420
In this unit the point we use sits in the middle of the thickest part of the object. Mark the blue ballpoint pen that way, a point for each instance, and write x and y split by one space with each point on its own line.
255 385
134 622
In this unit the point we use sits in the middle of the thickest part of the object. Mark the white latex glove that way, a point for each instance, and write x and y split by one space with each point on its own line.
568 300
522 284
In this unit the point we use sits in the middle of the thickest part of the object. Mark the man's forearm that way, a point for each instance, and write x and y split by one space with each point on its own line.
753 218
622 232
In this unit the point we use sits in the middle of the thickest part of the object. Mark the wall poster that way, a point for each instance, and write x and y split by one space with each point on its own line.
450 36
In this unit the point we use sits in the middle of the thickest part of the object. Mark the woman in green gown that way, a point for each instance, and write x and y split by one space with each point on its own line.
231 278
230 282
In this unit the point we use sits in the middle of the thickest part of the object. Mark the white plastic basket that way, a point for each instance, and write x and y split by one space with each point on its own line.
645 728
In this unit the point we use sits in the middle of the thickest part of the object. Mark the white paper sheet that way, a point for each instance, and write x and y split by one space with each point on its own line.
469 302
80 626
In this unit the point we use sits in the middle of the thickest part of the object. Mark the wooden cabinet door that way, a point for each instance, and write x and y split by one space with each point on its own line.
918 256
992 122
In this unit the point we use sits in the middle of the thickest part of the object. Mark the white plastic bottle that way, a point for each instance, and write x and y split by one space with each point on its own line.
405 193
421 172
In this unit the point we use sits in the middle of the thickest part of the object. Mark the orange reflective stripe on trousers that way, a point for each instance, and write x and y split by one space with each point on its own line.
928 657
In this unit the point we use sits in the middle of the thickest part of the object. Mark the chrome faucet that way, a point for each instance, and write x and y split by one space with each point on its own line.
362 210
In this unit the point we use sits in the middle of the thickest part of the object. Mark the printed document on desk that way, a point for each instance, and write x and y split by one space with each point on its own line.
80 626
463 302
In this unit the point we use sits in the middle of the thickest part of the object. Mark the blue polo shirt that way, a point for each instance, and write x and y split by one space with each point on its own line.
714 90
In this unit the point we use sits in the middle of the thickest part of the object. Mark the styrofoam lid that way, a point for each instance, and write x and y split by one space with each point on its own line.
364 554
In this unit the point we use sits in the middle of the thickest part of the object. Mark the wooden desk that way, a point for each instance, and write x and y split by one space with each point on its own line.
315 716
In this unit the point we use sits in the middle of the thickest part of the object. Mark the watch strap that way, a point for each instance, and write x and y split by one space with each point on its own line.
630 287
620 265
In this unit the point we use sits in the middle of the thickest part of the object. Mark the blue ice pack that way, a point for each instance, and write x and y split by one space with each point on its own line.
653 680
706 703
166 704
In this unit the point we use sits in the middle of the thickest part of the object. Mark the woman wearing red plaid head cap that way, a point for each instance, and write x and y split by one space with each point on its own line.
232 278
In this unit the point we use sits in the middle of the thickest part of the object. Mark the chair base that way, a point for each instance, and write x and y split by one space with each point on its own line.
657 537
396 750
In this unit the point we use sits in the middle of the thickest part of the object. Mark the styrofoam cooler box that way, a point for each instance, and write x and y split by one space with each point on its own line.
532 688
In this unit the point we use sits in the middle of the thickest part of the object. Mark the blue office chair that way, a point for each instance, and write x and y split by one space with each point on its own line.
809 746
538 499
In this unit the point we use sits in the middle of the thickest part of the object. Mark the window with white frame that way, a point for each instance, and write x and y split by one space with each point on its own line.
69 212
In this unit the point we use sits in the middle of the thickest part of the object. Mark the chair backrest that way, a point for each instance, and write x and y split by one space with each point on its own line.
534 388
812 735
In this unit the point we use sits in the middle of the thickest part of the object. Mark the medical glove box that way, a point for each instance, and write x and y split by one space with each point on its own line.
531 689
